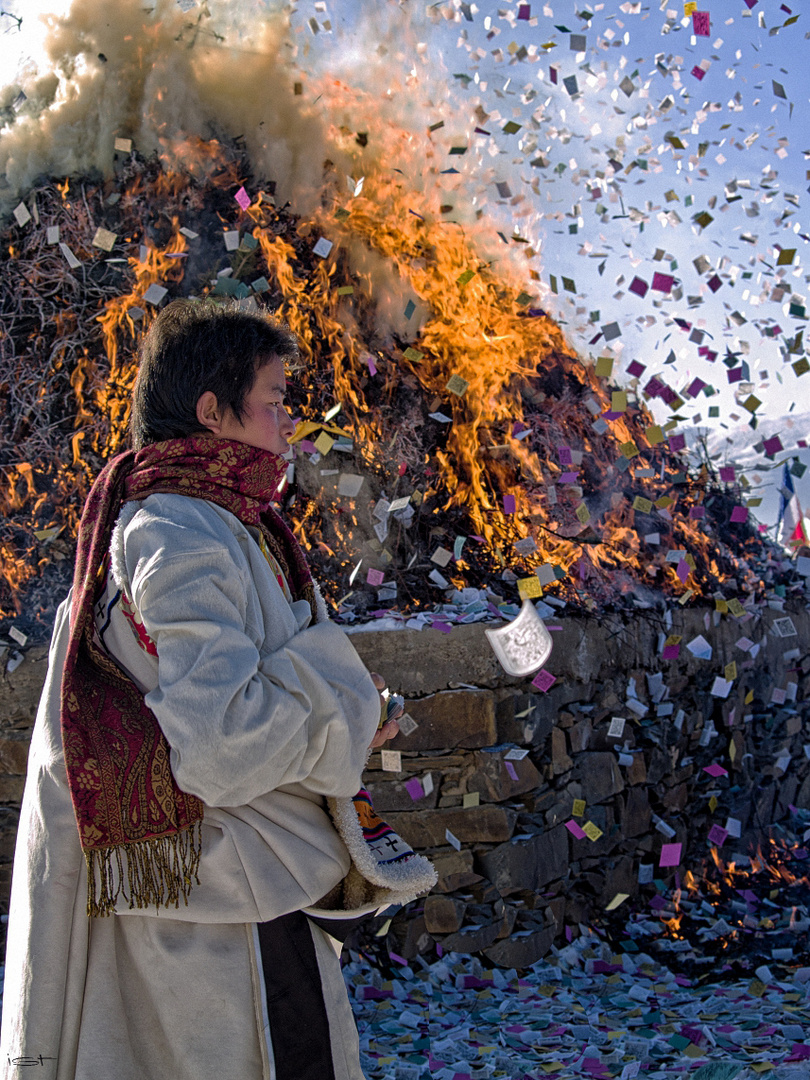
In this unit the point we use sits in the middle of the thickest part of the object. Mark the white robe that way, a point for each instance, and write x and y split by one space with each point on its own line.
265 716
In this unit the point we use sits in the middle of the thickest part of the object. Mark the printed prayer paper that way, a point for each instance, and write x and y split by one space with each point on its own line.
375 577
578 808
458 386
414 788
242 198
441 556
155 294
470 798
576 830
322 247
123 146
592 831
452 840
718 835
391 760
543 681
670 855
349 485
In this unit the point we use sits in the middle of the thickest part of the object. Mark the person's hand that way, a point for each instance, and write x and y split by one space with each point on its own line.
390 728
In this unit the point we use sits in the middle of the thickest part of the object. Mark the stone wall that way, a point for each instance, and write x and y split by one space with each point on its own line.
513 876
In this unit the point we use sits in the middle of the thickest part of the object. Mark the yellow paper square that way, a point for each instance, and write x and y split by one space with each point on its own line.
664 502
730 671
104 239
604 367
674 639
654 435
618 401
721 606
529 587
413 355
456 385
619 898
472 798
629 449
324 443
735 607
689 7
578 809
641 504
583 513
593 832
713 804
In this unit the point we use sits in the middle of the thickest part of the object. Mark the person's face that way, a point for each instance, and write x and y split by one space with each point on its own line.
265 423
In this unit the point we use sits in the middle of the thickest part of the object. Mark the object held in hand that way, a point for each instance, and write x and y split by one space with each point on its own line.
523 645
390 705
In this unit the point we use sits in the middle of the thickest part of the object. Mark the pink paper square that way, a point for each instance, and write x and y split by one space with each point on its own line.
509 504
670 652
636 369
543 681
698 72
662 282
773 445
524 12
701 23
727 474
739 514
683 570
718 835
715 770
677 442
670 855
697 512
575 829
735 375
639 286
568 478
564 454
372 367
242 198
695 387
414 788
510 768
375 577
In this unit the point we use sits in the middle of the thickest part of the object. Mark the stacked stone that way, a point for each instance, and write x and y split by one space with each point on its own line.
513 878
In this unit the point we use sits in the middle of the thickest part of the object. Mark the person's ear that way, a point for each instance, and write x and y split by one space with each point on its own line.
209 413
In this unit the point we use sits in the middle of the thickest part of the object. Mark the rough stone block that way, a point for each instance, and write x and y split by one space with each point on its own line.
636 815
21 690
472 940
14 752
599 775
474 825
493 781
560 761
521 952
389 795
527 865
443 914
523 719
455 718
455 870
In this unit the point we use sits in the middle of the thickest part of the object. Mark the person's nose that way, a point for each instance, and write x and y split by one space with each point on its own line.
286 426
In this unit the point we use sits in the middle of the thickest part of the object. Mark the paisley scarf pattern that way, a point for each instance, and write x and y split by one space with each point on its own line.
139 832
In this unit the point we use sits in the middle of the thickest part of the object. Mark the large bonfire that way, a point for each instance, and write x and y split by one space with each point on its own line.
432 372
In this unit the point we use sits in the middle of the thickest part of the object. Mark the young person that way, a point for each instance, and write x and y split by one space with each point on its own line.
199 711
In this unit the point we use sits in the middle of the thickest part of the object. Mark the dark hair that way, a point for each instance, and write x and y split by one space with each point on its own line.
194 346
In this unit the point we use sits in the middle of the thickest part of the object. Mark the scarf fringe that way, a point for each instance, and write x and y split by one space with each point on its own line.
156 872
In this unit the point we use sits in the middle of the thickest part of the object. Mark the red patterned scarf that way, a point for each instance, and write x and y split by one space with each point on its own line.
139 832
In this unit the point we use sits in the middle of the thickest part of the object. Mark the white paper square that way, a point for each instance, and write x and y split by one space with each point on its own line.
323 247
391 760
